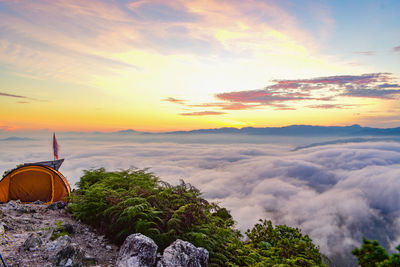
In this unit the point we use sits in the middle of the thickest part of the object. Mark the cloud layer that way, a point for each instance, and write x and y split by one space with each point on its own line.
335 193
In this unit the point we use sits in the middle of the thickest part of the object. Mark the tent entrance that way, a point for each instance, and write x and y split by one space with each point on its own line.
31 184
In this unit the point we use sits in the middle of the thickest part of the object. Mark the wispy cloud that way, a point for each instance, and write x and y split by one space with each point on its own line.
396 49
175 100
262 97
316 93
330 106
372 93
161 12
227 106
389 85
282 107
373 85
12 95
202 113
105 29
365 53
339 80
20 97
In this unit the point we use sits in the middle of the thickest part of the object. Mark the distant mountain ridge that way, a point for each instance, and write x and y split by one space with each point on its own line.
292 130
126 132
15 138
296 130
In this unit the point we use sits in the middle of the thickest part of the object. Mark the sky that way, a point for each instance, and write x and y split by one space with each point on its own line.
152 65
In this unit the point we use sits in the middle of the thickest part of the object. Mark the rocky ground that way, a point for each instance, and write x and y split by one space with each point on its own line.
43 235
31 235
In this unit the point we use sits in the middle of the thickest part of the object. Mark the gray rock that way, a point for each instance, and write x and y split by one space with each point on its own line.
12 205
64 253
24 221
71 255
17 206
28 228
3 240
57 205
183 254
8 224
137 251
203 256
2 228
69 228
89 259
32 242
45 233
37 216
25 209
59 243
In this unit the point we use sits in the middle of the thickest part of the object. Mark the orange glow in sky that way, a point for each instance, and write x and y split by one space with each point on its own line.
180 65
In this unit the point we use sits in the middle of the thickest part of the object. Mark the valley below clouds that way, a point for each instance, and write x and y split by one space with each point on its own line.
336 193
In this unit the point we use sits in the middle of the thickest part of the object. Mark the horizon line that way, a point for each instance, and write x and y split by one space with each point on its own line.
119 130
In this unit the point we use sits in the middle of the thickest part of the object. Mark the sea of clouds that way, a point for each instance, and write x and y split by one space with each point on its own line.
336 193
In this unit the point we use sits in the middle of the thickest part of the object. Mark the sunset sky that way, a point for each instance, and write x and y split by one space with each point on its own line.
148 65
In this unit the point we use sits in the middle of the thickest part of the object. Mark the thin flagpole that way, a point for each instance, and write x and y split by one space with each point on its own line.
55 147
54 153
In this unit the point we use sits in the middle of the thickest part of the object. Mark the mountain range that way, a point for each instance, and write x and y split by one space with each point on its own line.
292 130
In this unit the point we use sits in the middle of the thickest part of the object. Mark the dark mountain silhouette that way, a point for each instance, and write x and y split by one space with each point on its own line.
299 130
292 130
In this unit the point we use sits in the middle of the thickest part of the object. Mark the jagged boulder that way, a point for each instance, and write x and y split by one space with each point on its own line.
183 254
32 242
137 251
64 253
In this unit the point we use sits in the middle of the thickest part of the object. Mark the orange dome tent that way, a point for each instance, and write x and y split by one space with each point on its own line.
35 181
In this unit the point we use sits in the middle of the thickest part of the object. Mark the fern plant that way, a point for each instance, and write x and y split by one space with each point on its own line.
123 202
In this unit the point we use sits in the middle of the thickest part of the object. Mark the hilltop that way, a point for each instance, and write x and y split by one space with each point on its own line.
40 235
30 232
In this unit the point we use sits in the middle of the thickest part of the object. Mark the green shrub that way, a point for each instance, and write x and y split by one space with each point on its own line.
130 201
282 245
371 254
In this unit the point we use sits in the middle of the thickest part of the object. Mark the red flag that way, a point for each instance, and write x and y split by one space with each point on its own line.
55 146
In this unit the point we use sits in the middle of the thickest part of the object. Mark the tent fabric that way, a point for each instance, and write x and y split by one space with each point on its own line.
34 182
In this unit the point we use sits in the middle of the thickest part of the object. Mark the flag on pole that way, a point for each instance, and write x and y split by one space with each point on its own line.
55 146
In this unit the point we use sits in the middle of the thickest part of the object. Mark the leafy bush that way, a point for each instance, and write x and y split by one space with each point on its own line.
371 254
130 201
282 245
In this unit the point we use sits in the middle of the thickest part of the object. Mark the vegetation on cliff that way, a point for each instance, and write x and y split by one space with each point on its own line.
371 254
120 203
